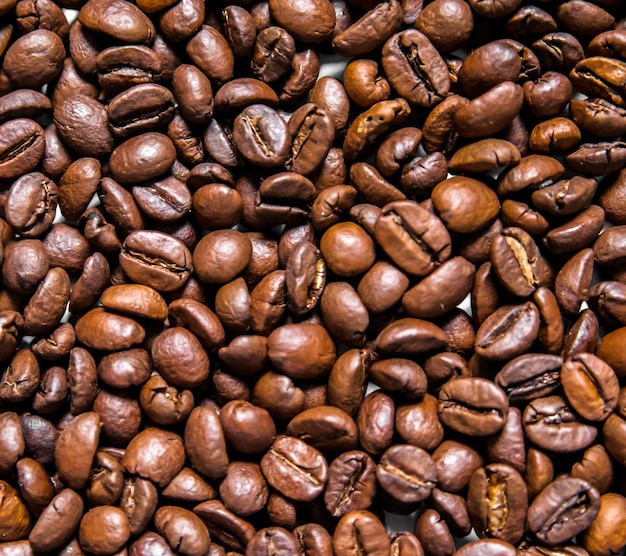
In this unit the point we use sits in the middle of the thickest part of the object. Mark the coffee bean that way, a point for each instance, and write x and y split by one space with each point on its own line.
548 421
548 515
295 469
473 406
490 489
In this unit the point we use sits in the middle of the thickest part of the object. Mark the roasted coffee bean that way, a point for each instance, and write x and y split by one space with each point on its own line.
363 83
261 136
433 533
411 53
295 469
45 52
552 425
530 376
371 124
603 535
491 489
375 422
502 102
590 385
473 406
370 31
156 260
351 483
273 52
146 67
83 125
76 448
508 331
360 531
58 521
312 131
563 509
454 33
414 239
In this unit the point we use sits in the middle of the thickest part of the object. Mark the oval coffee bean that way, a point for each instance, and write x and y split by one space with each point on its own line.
552 425
564 508
295 469
473 406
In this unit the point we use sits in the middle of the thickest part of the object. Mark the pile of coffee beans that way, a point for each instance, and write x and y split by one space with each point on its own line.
250 308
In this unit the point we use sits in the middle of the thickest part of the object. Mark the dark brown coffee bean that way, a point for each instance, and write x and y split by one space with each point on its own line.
329 94
371 124
224 526
21 148
100 329
450 195
473 406
344 314
430 298
375 422
410 53
180 358
261 136
563 509
83 125
577 233
183 530
490 489
590 385
295 469
364 84
58 522
530 376
156 260
327 428
44 51
471 120
351 483
592 159
302 351
273 52
155 454
312 131
459 23
76 448
360 531
20 378
314 539
233 306
552 425
414 239
433 533
142 158
203 436
508 331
